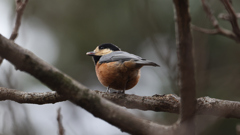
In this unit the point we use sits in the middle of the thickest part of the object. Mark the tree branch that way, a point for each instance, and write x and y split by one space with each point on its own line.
20 6
238 129
26 61
186 67
210 15
159 103
203 30
225 16
171 103
1 60
218 29
30 97
61 130
232 18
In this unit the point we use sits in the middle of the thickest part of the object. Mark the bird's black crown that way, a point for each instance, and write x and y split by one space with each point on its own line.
109 46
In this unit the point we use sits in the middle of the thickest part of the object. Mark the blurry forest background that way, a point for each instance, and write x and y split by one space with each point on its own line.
61 32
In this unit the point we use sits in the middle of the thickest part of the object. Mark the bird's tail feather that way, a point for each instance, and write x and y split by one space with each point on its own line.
147 63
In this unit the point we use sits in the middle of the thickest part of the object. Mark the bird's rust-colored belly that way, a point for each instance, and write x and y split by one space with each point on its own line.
117 75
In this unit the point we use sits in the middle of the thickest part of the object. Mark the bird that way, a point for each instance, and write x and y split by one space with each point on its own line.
116 69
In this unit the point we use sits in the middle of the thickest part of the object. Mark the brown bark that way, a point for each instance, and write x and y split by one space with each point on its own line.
30 97
61 130
159 103
186 67
20 6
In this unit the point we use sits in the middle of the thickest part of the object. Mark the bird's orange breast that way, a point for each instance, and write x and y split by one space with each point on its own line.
118 75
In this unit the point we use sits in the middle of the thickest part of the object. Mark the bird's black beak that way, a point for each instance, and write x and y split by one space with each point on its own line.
92 53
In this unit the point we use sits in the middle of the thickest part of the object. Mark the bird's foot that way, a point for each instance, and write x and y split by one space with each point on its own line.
108 90
121 92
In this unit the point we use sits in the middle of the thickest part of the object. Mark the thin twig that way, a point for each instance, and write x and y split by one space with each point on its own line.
215 31
61 130
203 30
210 15
225 16
232 18
214 21
20 6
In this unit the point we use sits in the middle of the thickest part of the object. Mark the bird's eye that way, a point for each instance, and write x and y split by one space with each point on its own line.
101 47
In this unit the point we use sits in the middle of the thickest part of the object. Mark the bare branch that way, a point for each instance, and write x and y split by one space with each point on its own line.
20 6
1 60
210 15
226 16
238 129
203 30
159 103
171 103
26 61
217 107
232 18
61 130
30 97
165 103
187 85
220 31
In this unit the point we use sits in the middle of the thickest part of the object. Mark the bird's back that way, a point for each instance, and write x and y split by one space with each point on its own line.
122 56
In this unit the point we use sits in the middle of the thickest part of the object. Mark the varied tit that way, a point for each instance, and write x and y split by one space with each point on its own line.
117 69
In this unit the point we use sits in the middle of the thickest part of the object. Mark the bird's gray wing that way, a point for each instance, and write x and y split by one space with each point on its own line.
119 56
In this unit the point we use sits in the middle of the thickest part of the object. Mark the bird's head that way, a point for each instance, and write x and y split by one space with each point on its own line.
101 50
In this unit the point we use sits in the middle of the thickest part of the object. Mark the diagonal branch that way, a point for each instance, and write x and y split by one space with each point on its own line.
210 15
218 29
20 6
232 17
26 61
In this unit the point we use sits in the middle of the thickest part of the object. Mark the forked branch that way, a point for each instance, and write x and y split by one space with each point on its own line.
232 17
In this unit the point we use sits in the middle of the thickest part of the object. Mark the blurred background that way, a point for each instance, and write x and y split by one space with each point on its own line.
61 32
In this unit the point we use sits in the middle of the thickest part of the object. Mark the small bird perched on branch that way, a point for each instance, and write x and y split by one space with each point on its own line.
117 69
